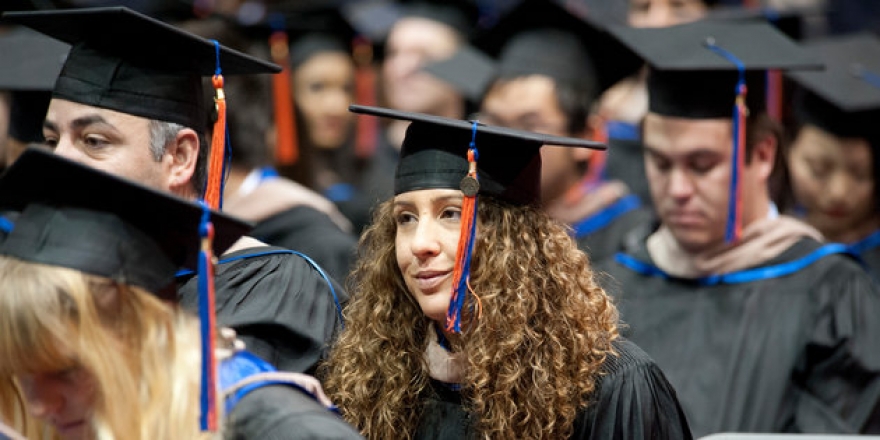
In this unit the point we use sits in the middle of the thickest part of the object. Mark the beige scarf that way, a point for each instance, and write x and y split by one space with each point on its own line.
761 241
443 365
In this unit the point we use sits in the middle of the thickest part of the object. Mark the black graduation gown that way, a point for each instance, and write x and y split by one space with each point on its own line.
868 250
312 232
795 353
626 162
281 412
633 401
601 234
278 303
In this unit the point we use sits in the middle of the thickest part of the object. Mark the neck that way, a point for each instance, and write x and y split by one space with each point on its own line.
234 180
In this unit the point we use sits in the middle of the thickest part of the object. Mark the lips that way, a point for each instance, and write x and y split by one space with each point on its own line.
68 428
428 281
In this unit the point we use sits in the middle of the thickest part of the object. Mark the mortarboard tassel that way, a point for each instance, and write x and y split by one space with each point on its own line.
470 186
286 150
365 94
733 231
213 191
208 418
774 94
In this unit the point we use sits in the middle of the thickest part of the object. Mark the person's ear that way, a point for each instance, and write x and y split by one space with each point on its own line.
764 155
182 155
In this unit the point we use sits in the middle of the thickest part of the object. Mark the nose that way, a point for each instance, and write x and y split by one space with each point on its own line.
658 15
680 186
838 186
66 149
425 242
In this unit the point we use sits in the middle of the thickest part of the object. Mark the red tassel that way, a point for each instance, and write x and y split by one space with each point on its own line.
208 343
774 94
218 147
286 149
742 114
365 94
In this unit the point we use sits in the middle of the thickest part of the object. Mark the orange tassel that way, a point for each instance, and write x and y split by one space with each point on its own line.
218 147
365 94
742 114
774 94
461 271
286 150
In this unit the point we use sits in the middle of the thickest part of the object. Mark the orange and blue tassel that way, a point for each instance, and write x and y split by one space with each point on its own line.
470 186
208 416
733 230
217 163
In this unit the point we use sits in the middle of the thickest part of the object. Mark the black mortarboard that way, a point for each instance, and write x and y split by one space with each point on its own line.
789 20
31 63
843 99
468 70
695 66
435 149
128 62
461 15
82 218
545 37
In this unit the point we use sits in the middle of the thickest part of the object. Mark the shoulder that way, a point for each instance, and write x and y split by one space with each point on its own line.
275 412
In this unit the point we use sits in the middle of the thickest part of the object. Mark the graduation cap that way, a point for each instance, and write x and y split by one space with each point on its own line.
461 15
843 99
548 38
76 216
468 70
31 63
477 159
126 61
695 68
715 69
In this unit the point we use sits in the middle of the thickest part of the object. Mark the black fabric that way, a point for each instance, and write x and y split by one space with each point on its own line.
468 70
844 98
31 60
633 401
132 233
625 161
871 259
126 61
790 354
309 45
690 75
312 232
27 111
279 412
606 242
549 52
434 155
277 302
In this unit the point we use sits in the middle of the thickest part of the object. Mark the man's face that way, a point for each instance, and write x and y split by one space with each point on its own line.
688 164
412 42
114 142
663 13
530 103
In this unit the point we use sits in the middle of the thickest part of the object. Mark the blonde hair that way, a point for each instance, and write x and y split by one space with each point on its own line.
533 357
141 352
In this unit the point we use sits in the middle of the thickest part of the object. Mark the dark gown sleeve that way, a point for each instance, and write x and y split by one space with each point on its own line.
634 401
279 412
277 302
839 376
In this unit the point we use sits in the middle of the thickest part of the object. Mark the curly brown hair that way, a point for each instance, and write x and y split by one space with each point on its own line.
533 356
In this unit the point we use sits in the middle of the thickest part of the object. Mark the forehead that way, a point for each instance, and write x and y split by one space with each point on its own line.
62 111
422 32
675 134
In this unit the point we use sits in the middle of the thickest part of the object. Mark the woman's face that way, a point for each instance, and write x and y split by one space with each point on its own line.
833 179
324 88
428 227
63 398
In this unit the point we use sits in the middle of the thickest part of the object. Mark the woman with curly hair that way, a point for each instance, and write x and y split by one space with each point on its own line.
93 343
481 318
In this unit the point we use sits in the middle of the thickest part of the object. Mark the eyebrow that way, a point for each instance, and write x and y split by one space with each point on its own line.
434 200
78 123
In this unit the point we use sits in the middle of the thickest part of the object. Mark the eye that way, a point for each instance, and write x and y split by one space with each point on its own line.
404 217
660 163
819 170
702 165
451 213
316 87
95 142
